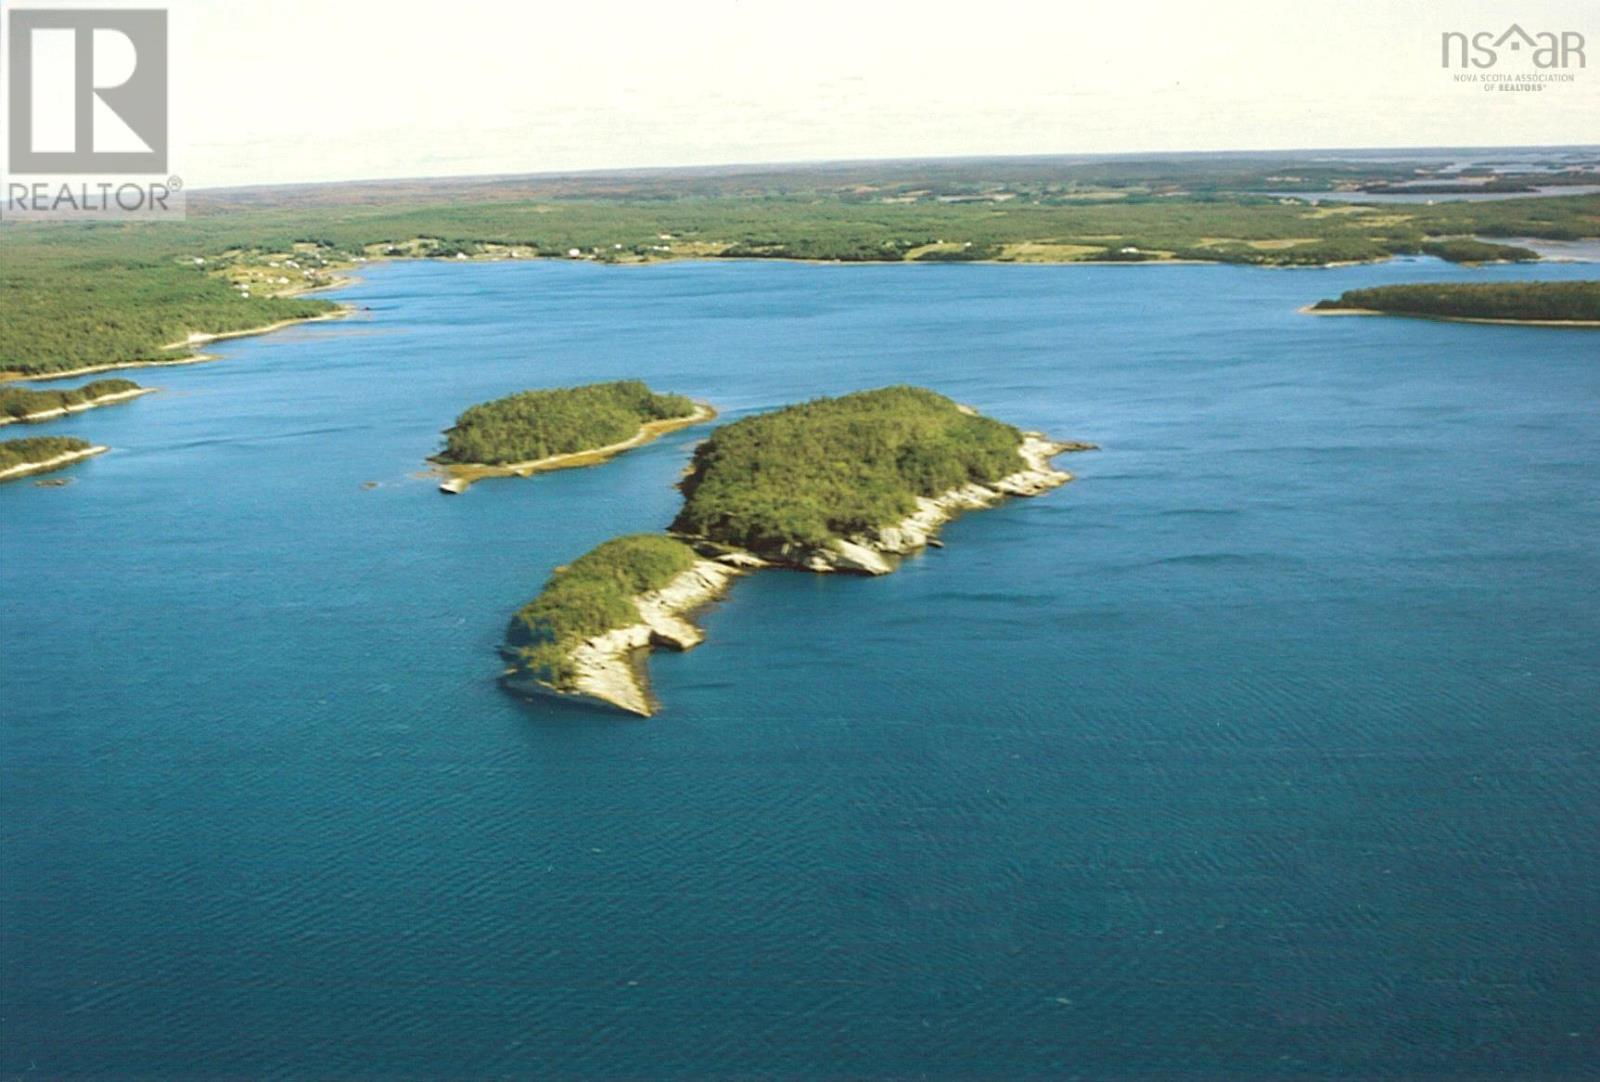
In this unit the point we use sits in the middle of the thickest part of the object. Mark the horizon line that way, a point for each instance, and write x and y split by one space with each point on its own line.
1066 157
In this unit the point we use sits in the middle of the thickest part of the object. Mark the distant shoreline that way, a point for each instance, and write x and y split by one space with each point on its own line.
24 469
461 475
77 407
1581 324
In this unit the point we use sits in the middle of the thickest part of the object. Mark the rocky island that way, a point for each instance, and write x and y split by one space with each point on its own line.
40 454
28 405
584 636
845 484
535 431
1539 304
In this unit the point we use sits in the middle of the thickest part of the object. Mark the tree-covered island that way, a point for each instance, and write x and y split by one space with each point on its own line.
40 454
534 431
838 484
27 404
1573 304
584 635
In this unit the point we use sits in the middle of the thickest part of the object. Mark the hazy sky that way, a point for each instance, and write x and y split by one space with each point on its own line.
295 90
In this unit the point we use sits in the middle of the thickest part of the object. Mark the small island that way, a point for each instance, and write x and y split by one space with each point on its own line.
41 454
1537 304
1473 250
27 405
584 636
847 484
536 431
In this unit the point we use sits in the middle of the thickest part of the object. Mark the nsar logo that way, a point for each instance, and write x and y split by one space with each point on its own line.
1485 49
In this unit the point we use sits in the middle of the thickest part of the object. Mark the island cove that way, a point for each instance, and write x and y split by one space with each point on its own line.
847 484
536 431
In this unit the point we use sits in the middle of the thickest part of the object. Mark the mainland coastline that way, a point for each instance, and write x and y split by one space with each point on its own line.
196 339
200 338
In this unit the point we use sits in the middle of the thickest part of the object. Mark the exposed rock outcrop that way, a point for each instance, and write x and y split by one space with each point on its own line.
609 667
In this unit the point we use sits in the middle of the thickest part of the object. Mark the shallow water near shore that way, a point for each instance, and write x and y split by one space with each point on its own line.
1267 748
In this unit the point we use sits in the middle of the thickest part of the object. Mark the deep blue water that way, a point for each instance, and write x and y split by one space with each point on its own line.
1267 749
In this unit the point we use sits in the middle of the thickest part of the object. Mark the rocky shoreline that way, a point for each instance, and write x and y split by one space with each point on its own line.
610 667
875 553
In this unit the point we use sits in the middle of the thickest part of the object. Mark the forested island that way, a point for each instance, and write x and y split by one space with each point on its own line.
582 635
1472 250
837 484
1572 304
534 431
26 404
40 454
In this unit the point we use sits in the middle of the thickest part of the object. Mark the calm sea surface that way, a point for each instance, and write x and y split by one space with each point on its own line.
1269 748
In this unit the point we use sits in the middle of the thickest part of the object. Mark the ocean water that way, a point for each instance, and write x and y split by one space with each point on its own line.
1267 749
